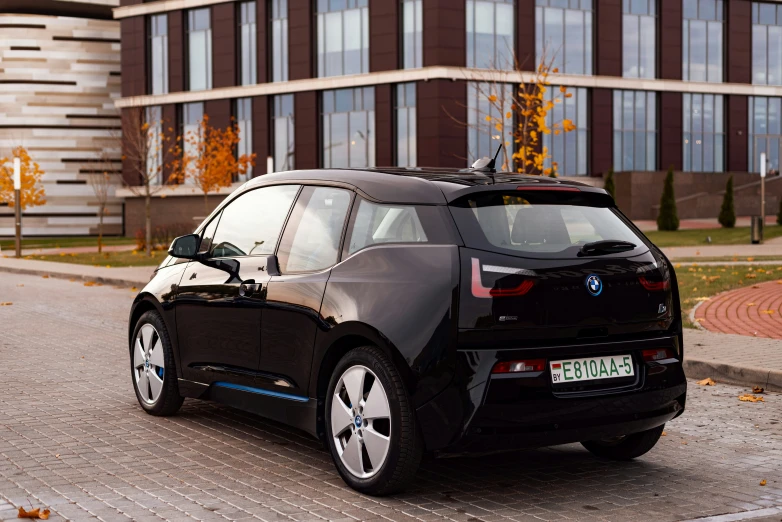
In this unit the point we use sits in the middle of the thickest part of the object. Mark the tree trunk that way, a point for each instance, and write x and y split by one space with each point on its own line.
206 204
148 219
100 231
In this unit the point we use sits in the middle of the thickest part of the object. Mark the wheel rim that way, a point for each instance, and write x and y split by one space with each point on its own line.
148 364
361 421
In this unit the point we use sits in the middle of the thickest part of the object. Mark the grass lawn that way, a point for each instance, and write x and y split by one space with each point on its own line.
108 259
726 260
719 236
698 282
62 242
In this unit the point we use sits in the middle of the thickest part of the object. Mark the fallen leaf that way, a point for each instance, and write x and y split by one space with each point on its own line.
6 304
57 455
702 298
108 266
23 285
34 513
133 289
45 277
750 304
769 312
708 381
757 389
763 482
750 276
663 434
748 397
89 283
750 259
684 442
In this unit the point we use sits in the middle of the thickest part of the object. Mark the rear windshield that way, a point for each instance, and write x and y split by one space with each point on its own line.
535 226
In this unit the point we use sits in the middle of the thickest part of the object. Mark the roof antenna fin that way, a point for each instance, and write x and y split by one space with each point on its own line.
486 164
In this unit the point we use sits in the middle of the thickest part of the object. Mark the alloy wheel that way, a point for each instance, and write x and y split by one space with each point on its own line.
148 363
361 421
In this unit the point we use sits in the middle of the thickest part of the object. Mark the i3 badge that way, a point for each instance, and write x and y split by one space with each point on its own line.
594 284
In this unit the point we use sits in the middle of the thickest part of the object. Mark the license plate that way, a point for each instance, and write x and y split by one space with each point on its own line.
591 368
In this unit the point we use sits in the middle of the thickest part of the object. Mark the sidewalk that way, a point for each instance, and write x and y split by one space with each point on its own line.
647 225
772 247
121 276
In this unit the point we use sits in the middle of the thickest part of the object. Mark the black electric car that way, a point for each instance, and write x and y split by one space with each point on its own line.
391 312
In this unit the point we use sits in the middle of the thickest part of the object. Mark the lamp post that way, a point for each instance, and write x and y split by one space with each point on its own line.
18 204
763 188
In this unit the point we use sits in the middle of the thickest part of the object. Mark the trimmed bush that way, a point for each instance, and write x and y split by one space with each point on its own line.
609 186
727 216
668 218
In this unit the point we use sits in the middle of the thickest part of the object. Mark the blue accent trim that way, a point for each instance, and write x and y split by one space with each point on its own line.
259 391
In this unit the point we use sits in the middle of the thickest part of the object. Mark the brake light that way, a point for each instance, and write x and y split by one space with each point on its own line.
657 354
554 188
480 291
655 286
526 366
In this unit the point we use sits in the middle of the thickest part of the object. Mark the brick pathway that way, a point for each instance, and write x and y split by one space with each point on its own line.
754 311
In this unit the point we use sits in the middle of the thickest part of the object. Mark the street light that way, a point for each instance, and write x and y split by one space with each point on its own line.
18 204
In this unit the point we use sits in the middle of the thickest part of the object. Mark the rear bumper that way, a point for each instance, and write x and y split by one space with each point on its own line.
480 412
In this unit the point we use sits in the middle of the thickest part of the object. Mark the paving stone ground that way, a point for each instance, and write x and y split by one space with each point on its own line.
753 310
73 438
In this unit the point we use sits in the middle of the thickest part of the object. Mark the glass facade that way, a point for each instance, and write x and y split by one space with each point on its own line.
158 54
635 131
639 20
765 132
248 57
192 115
568 149
199 50
154 117
412 34
766 44
244 121
704 134
490 34
563 34
406 135
343 37
485 133
702 40
279 22
348 128
283 129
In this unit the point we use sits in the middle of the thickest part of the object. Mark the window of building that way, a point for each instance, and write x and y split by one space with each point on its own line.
702 40
343 37
381 224
635 131
284 142
704 136
490 34
248 57
349 127
765 132
199 49
192 115
483 117
766 44
638 38
153 116
279 40
244 121
568 149
564 33
158 54
412 34
406 135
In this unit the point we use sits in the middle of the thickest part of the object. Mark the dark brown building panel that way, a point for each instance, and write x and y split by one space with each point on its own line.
171 129
301 47
737 136
670 40
671 141
442 138
738 18
608 38
383 35
133 56
224 45
261 141
219 112
262 35
176 51
307 117
384 124
444 33
525 35
601 150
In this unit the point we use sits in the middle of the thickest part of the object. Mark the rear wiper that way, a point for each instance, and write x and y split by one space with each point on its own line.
607 246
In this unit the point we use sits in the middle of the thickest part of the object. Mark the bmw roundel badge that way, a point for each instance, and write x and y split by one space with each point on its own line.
594 284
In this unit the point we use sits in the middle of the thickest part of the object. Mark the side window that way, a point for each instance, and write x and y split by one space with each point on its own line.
311 239
208 235
385 224
251 224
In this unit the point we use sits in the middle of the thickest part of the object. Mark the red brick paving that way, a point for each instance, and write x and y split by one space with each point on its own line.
754 311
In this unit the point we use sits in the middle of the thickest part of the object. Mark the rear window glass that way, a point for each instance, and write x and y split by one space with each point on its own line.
519 224
385 224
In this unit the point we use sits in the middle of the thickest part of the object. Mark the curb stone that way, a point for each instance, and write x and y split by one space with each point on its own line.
771 380
77 277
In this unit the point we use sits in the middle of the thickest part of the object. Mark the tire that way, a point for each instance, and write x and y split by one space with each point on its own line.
394 443
627 447
154 366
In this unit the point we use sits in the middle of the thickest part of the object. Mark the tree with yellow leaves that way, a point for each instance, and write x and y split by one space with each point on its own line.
32 193
206 156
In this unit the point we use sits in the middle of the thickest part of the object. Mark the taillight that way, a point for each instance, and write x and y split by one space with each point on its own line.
655 286
657 354
478 290
526 366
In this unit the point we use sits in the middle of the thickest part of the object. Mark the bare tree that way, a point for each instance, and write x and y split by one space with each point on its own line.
102 186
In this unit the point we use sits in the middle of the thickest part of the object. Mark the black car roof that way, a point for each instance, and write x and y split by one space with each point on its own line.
423 185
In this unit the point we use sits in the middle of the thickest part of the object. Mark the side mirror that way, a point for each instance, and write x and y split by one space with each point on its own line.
185 247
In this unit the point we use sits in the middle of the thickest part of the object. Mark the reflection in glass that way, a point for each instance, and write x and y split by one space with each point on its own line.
564 34
283 128
192 115
703 130
199 49
764 132
412 34
343 37
483 136
279 22
490 34
568 150
244 121
348 127
766 44
153 116
702 40
635 131
158 53
638 38
247 44
406 124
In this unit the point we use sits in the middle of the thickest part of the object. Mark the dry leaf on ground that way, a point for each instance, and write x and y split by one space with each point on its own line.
757 389
769 312
33 513
663 434
763 482
708 381
748 397
45 276
6 304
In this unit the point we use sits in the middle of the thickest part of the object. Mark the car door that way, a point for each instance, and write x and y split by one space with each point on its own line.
220 300
309 248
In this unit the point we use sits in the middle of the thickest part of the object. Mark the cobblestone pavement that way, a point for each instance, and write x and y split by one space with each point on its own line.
72 438
753 310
